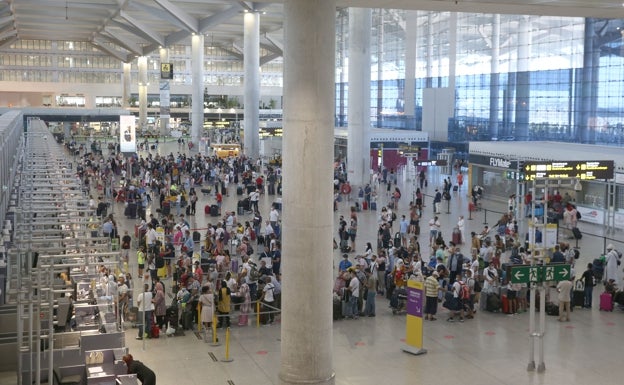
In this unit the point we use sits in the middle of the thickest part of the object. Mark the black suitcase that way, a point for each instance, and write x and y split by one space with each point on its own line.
240 210
338 309
214 211
187 319
250 188
196 236
493 302
171 316
239 190
131 210
397 239
188 210
455 188
578 295
577 233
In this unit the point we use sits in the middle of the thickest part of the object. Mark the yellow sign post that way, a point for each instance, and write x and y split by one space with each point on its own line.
414 319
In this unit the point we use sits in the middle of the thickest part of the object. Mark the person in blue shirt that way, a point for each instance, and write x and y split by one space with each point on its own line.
403 226
557 256
345 263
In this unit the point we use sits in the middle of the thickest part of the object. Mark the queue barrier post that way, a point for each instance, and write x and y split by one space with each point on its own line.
227 347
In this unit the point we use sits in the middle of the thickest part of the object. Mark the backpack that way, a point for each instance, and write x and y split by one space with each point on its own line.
250 250
464 291
254 274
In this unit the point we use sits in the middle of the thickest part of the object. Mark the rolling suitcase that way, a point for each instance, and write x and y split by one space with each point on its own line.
171 316
187 319
188 210
196 236
364 205
578 295
493 302
214 211
240 210
455 188
373 206
606 302
397 239
131 210
505 305
207 209
155 331
239 190
337 312
577 233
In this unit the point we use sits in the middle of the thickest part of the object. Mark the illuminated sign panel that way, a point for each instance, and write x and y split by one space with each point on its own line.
584 170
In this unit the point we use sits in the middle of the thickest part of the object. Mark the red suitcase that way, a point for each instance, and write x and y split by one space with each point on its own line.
606 302
155 332
207 209
364 205
505 305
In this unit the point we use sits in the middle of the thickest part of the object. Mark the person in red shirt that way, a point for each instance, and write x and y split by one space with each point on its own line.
219 200
528 199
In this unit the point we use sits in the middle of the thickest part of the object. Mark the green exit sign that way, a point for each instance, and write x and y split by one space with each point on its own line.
539 273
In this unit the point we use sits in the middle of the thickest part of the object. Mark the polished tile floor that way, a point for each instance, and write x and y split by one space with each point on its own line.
492 349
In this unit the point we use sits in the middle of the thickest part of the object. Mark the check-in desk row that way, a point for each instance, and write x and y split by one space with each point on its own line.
82 358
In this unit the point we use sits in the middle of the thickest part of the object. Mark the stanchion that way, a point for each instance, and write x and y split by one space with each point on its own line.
485 216
215 340
258 314
227 347
470 210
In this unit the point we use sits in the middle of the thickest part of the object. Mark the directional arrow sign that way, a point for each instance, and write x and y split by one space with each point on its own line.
525 274
539 273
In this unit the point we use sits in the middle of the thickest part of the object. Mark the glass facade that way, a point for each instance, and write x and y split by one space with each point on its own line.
514 77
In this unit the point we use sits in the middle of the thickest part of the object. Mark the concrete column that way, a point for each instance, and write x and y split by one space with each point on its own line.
380 61
452 52
429 71
126 85
523 79
197 75
142 62
165 96
409 93
252 83
360 20
494 75
307 326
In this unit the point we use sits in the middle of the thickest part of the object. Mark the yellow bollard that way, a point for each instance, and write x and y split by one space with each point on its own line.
215 341
227 347
258 314
199 322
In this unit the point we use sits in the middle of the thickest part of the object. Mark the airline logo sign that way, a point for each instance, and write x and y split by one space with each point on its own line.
500 163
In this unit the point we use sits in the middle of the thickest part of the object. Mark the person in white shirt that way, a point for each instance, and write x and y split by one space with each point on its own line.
150 237
273 216
354 290
254 196
268 297
461 225
434 228
146 310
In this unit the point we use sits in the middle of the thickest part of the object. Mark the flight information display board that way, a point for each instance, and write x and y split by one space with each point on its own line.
583 170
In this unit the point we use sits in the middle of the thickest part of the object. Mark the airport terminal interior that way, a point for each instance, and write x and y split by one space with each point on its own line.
457 93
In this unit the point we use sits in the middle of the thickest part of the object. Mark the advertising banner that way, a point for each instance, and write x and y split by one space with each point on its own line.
127 133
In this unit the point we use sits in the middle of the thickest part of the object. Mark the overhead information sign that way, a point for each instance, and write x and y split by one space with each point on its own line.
436 162
584 170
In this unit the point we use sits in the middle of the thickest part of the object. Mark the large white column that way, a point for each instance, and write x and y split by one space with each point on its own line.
197 75
125 85
409 92
360 21
252 83
306 331
142 63
165 96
